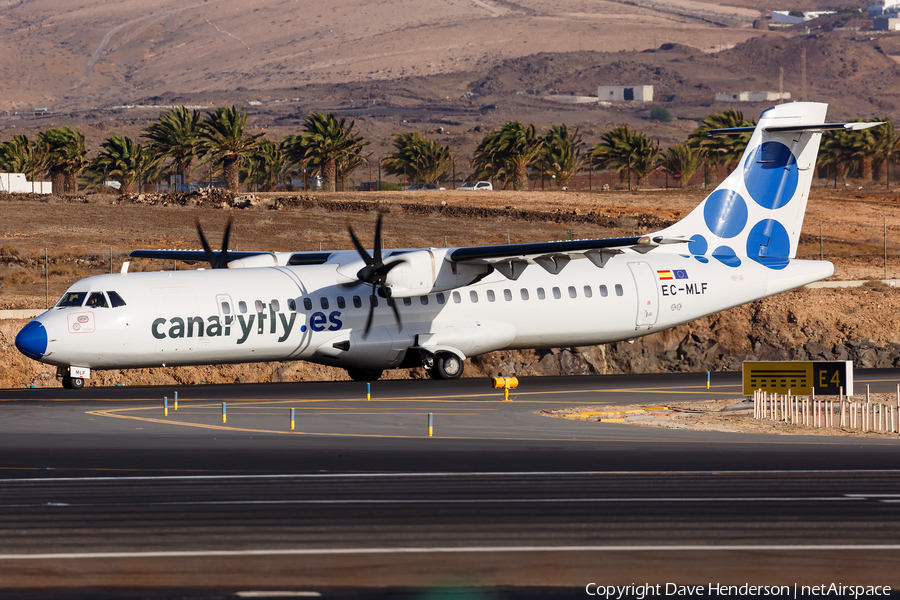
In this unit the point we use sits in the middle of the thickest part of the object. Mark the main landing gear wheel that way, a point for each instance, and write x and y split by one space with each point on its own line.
364 374
72 383
446 366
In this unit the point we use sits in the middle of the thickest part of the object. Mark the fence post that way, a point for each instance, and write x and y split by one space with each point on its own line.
841 401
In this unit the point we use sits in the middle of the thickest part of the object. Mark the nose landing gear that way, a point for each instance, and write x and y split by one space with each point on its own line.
72 383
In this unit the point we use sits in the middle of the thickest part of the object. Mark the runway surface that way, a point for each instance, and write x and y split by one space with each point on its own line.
99 490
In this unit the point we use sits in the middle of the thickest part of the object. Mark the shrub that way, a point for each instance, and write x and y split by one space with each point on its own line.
661 113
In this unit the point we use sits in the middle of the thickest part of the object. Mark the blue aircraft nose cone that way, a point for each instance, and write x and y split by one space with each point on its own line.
32 340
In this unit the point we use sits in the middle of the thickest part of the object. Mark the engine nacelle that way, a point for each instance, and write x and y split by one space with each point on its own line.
428 271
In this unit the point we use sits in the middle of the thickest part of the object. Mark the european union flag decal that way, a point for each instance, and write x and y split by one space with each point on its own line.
680 274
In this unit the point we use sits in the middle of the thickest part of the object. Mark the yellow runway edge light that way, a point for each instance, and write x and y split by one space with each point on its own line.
506 384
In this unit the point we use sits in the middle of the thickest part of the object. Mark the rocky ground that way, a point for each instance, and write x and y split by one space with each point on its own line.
707 415
860 324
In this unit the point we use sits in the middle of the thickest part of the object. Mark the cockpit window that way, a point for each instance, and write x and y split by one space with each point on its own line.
97 300
71 299
115 299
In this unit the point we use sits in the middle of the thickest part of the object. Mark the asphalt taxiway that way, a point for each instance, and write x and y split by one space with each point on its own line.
99 488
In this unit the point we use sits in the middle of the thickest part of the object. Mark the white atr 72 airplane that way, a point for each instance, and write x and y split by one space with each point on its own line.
737 246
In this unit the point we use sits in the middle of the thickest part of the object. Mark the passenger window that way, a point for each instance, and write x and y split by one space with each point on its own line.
97 300
292 305
407 302
72 299
457 298
540 294
324 302
259 306
440 297
373 300
588 292
242 306
619 290
341 303
490 295
556 293
275 305
524 294
115 299
357 302
307 303
226 308
473 296
603 291
507 295
572 292
423 300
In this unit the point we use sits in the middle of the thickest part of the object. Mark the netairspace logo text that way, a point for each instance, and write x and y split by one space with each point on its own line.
712 590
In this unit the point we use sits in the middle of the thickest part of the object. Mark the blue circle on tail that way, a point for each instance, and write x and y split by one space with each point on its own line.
698 245
769 244
726 256
725 213
770 174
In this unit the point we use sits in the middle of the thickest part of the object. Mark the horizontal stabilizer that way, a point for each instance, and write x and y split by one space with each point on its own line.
818 128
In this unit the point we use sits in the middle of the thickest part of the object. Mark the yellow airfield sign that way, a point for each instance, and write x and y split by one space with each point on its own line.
800 377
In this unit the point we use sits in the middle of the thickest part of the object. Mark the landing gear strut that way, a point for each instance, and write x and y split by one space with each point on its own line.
446 366
72 383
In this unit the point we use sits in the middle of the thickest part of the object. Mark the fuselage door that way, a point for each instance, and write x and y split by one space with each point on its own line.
647 294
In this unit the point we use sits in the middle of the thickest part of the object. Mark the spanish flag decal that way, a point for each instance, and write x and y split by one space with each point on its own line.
665 275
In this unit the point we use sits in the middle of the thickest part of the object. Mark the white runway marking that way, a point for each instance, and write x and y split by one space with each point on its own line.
392 475
392 501
449 550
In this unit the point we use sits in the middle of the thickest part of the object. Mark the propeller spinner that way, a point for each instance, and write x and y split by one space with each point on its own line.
375 273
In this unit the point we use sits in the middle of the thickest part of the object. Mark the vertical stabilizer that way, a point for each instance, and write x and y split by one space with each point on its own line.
756 213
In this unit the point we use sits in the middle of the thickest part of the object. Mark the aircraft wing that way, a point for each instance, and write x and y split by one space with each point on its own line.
237 258
512 259
189 256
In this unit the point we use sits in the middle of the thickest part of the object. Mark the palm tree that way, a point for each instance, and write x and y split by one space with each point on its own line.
328 145
124 160
685 159
419 158
269 164
621 149
19 155
223 137
508 154
177 136
66 157
887 142
721 149
836 153
561 154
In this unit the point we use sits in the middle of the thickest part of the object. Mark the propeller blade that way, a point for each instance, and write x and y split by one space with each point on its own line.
396 313
359 247
223 257
210 256
216 260
371 315
377 258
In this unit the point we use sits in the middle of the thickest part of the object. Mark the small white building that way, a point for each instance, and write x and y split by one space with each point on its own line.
752 97
886 24
784 17
619 93
16 183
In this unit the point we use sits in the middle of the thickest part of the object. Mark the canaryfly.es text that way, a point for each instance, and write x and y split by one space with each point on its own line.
647 590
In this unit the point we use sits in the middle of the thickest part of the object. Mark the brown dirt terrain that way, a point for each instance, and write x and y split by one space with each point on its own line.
706 415
80 234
